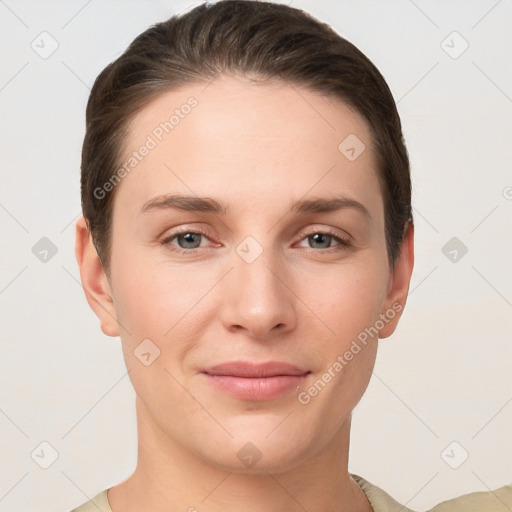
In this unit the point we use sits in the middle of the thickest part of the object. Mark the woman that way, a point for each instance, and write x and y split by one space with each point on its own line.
221 147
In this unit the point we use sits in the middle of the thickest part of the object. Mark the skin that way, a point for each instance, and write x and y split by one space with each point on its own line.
257 148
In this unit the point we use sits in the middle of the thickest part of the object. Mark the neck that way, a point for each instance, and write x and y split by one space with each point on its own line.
169 477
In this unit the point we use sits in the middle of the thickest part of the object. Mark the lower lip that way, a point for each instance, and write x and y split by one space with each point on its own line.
264 388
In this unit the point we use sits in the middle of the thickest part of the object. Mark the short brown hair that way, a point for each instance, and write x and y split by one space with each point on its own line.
249 37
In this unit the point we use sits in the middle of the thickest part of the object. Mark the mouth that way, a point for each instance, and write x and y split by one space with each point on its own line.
250 381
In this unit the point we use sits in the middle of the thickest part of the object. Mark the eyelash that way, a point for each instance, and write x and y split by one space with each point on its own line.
343 243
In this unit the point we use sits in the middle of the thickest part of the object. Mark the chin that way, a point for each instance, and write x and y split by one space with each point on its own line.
259 452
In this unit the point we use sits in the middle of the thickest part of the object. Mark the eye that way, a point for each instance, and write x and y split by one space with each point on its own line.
187 241
324 238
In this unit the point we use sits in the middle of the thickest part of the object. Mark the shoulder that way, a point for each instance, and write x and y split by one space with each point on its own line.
97 504
379 499
497 500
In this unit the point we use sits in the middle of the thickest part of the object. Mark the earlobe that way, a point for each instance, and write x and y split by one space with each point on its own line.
399 281
94 280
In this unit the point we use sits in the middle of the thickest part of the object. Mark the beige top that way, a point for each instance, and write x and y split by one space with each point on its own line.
498 500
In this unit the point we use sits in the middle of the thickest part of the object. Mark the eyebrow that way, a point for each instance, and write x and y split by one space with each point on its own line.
209 205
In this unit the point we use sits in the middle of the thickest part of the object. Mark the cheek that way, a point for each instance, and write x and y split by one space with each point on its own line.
347 306
346 298
332 301
152 296
168 305
155 304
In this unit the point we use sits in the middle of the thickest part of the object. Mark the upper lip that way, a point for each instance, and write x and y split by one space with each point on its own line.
248 369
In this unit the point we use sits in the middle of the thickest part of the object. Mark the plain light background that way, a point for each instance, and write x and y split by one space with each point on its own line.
445 375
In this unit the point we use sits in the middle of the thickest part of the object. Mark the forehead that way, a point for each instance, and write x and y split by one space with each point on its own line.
251 143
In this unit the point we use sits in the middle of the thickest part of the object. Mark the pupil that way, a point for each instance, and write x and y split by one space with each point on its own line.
318 237
189 238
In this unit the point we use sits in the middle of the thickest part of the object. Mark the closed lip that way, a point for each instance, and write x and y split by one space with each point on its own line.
255 370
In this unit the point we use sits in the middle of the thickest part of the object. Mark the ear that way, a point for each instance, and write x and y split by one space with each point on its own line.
94 280
398 286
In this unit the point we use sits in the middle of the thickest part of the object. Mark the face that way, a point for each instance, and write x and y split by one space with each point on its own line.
277 254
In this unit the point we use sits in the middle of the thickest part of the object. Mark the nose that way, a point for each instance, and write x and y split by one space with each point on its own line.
257 297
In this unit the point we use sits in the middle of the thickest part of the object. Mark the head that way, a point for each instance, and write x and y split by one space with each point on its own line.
283 135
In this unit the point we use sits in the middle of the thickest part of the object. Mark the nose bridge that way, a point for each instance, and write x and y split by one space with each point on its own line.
260 298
